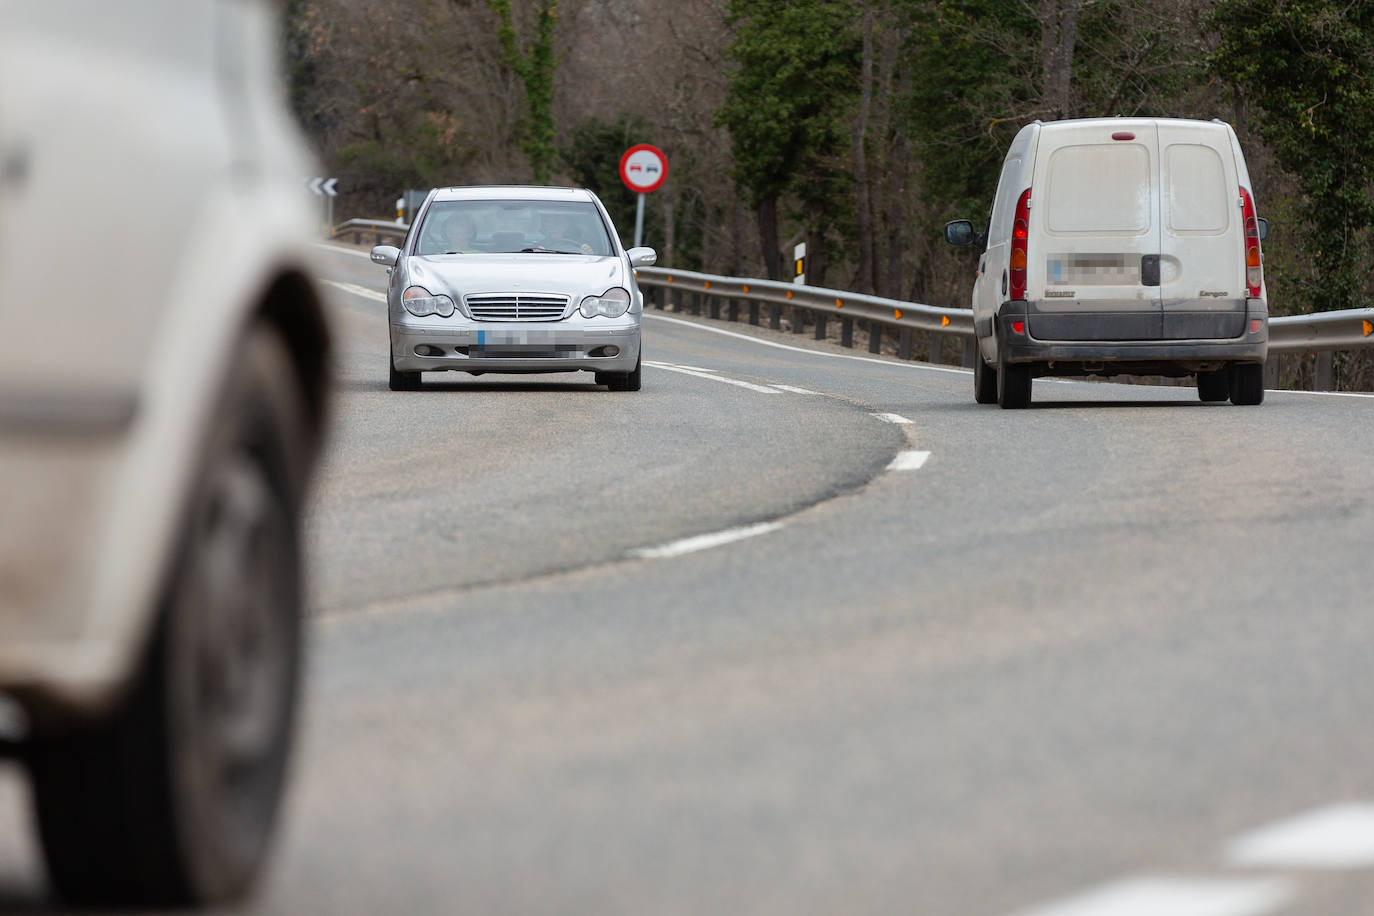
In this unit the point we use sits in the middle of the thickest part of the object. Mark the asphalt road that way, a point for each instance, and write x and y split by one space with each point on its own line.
939 659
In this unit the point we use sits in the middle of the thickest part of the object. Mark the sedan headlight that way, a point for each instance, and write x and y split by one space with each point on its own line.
420 302
613 303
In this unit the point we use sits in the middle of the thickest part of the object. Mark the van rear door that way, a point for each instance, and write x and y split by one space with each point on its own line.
1202 274
1096 191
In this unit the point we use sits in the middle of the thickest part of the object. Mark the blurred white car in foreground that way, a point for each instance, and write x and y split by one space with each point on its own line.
162 356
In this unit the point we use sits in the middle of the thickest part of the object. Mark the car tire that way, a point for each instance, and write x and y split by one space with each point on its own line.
1013 384
621 381
1247 384
1213 386
403 381
171 797
984 379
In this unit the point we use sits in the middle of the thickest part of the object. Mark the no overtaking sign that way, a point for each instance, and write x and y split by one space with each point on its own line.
643 168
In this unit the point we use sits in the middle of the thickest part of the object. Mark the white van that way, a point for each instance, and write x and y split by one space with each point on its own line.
1120 245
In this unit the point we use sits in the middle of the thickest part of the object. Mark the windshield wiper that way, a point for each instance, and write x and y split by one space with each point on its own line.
540 249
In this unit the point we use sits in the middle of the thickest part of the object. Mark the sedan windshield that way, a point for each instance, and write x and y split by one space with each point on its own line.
501 226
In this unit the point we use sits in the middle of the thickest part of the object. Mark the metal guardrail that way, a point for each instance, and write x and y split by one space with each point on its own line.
374 227
1321 331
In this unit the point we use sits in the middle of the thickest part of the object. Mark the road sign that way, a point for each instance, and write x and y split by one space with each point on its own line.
643 168
323 187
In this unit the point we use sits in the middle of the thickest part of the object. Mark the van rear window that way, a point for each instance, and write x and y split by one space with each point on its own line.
1195 190
1097 188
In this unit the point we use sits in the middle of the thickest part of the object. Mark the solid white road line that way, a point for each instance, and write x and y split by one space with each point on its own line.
357 290
1160 896
769 343
794 389
1338 836
892 418
704 541
715 378
910 460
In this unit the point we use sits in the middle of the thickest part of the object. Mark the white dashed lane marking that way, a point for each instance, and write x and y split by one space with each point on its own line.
1339 836
909 460
704 541
1150 896
892 418
357 290
794 390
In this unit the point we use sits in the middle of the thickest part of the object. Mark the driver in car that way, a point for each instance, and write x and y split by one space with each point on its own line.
558 235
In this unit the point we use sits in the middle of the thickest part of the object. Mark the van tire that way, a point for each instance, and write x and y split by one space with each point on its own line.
1013 384
1247 384
984 379
1213 386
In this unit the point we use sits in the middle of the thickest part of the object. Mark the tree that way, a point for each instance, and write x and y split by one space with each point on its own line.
787 110
535 68
1309 67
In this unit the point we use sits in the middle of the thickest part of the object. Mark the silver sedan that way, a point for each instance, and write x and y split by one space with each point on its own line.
514 279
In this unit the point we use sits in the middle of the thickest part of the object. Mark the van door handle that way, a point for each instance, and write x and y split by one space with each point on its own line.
1149 270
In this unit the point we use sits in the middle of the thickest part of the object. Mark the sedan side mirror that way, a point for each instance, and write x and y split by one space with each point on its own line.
385 255
959 232
642 257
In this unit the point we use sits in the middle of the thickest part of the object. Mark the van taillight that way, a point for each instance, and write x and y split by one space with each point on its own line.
1254 274
1020 229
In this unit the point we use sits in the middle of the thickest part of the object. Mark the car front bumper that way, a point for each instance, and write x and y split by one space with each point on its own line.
460 344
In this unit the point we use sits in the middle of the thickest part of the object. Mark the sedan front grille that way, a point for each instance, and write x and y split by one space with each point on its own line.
516 307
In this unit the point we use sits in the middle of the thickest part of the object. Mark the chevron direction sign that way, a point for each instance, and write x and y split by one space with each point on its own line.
323 187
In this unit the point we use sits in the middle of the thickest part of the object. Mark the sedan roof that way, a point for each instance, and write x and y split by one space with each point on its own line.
512 192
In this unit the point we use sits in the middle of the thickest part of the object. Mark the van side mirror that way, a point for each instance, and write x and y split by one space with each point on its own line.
385 255
959 232
1262 225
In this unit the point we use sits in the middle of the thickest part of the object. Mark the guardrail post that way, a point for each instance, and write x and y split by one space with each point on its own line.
696 303
820 326
875 337
732 309
798 319
753 313
937 346
1326 371
1271 371
677 300
713 307
970 352
775 316
846 332
904 343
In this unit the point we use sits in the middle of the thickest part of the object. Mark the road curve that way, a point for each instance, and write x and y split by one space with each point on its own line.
795 630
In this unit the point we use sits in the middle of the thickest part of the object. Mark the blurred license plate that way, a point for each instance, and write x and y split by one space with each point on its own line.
505 338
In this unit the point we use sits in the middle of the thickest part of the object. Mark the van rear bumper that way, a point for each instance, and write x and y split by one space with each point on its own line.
1249 347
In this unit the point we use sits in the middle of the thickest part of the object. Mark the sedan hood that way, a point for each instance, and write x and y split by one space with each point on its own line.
462 274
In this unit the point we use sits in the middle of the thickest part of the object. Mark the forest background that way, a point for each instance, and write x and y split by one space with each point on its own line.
857 126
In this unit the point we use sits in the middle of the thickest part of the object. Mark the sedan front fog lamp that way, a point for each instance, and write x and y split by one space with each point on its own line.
613 303
420 302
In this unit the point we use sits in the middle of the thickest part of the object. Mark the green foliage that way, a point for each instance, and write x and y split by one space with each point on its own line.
535 68
790 98
1309 66
592 158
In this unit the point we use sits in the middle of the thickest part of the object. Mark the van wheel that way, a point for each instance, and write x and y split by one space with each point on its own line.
171 797
1013 385
403 381
1247 384
984 379
1213 386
